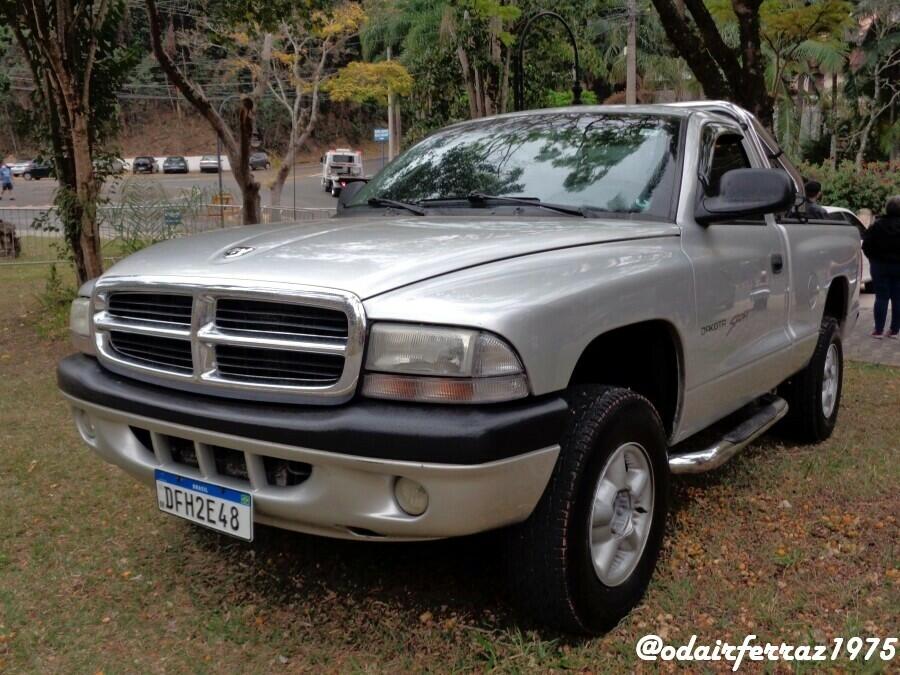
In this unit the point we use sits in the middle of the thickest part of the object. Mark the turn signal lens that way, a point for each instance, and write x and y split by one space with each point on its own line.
445 389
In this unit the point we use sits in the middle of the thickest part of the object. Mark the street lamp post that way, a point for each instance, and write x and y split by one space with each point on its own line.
520 69
219 161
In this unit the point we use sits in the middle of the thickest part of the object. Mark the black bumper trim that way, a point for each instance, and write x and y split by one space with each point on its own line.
363 427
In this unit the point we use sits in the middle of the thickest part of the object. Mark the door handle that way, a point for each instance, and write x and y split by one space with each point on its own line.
777 263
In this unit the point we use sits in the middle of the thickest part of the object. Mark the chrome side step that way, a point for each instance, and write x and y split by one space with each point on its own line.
766 413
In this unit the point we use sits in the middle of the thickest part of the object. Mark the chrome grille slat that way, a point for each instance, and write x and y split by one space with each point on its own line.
277 343
278 365
164 352
167 308
275 317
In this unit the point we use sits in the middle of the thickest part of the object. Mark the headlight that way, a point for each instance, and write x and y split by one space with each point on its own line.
80 320
80 317
441 365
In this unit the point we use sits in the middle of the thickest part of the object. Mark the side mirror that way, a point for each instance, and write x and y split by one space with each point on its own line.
348 192
747 192
321 159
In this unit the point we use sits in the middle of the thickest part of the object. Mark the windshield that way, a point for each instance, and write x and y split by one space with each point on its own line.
618 163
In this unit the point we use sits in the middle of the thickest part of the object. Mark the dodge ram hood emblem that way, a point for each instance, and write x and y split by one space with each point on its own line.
237 251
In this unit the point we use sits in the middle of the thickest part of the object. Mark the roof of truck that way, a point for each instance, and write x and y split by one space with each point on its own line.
680 109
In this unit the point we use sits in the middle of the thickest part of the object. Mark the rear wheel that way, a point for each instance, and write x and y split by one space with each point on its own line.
584 558
814 394
27 175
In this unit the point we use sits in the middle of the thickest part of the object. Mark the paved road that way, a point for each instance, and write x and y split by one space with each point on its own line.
305 178
861 346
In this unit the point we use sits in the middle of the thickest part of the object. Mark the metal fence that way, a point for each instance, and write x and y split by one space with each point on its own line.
125 228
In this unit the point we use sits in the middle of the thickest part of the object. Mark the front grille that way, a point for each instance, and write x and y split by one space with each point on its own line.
280 317
151 350
278 366
230 462
184 453
161 307
279 343
285 472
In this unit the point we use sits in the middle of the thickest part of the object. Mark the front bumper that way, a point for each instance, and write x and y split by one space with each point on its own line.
482 468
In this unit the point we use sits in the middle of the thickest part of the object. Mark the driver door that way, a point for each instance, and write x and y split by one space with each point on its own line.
741 285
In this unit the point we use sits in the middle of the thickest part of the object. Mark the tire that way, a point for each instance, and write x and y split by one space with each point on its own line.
813 410
27 175
551 566
335 192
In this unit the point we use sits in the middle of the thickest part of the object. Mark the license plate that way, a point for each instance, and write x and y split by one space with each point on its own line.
213 506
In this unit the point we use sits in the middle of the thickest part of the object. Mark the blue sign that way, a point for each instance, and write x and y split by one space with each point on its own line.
381 135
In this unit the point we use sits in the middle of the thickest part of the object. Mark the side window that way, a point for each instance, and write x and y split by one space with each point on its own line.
727 154
722 150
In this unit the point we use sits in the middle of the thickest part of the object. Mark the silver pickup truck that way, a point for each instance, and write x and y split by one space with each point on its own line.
523 322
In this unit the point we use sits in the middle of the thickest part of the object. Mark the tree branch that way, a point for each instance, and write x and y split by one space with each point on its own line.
692 48
194 95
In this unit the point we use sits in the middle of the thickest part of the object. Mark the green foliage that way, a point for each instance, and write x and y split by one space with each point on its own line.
360 81
853 190
144 214
558 99
54 301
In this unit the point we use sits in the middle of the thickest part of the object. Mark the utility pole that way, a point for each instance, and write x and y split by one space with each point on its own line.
392 131
631 55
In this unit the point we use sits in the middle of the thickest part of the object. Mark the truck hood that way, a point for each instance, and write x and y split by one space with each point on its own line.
371 255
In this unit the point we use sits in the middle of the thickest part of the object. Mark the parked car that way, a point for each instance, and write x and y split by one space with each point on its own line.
18 168
850 217
37 169
525 321
144 164
209 164
110 165
260 161
175 164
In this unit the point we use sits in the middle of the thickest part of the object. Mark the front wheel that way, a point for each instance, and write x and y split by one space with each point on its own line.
586 554
814 394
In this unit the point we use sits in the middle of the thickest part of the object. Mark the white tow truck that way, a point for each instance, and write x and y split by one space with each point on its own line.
341 166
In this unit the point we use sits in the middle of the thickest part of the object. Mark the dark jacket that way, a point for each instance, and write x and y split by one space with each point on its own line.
881 242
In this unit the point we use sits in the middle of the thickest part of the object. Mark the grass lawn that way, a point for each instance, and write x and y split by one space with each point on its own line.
795 544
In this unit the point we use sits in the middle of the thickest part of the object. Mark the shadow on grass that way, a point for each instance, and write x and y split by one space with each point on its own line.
465 576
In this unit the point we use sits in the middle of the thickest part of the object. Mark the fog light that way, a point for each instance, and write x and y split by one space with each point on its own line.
411 497
85 427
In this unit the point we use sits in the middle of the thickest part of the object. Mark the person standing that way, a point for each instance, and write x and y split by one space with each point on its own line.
813 189
881 244
6 181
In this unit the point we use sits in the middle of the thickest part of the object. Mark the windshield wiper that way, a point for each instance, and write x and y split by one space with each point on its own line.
381 201
478 197
482 198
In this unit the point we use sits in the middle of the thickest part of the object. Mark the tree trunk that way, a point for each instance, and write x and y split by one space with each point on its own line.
717 67
252 211
86 192
275 191
864 144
